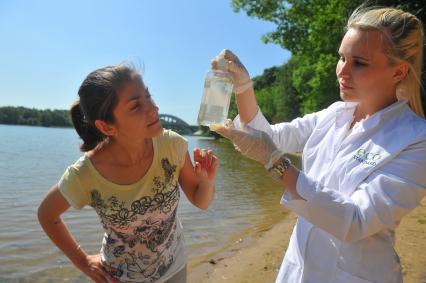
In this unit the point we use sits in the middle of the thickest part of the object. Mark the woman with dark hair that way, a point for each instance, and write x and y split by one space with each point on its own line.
131 174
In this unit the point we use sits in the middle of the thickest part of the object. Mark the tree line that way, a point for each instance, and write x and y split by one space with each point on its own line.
311 31
10 115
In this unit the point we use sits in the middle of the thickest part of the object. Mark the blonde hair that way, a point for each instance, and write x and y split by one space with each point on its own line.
403 33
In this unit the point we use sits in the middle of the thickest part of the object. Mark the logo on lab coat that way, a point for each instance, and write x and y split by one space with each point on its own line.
365 157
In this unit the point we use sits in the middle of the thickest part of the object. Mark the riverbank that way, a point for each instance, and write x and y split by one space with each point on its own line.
257 257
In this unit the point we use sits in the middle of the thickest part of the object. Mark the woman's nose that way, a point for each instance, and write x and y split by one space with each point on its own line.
343 70
153 108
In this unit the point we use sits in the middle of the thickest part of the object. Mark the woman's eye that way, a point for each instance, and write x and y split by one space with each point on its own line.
358 63
135 107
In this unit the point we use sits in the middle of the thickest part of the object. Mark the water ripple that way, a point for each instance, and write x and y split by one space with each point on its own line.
32 159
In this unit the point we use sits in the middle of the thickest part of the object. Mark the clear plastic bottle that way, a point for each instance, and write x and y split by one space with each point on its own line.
214 106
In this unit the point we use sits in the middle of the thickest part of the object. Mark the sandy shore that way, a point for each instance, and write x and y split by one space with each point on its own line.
257 257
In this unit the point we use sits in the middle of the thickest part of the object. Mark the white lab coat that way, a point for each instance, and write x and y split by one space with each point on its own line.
356 187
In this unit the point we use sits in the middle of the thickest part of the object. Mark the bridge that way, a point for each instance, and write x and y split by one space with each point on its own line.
176 124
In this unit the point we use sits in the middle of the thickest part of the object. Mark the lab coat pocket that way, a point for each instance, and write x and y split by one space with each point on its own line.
342 276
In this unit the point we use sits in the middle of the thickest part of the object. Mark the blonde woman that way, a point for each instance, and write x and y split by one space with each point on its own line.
364 158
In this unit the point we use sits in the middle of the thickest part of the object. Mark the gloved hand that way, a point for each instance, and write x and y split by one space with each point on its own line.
227 60
252 143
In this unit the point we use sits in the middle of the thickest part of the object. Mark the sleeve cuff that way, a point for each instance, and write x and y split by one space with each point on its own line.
69 199
299 206
184 150
306 187
258 121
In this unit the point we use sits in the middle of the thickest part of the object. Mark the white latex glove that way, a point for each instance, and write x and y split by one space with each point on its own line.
252 143
226 60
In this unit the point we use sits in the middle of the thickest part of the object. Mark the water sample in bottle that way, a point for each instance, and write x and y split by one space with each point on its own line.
214 106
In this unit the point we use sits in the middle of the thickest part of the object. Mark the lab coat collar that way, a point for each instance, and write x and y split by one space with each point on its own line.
346 113
384 114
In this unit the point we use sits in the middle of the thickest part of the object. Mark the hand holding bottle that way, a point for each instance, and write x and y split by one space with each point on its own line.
230 62
218 86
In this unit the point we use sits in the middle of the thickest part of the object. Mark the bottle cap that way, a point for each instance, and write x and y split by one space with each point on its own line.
222 64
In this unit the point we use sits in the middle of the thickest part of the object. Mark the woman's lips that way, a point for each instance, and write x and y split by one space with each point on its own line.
153 123
345 87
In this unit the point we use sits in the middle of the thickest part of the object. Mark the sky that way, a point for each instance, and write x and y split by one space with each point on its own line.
48 47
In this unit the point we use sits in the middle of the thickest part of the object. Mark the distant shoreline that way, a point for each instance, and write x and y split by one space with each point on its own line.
23 116
38 126
11 115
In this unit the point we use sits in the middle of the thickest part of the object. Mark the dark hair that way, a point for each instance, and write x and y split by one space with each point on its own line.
98 96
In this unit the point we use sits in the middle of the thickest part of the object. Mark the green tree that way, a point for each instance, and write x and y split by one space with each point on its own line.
9 115
34 117
289 99
312 31
269 95
276 94
267 79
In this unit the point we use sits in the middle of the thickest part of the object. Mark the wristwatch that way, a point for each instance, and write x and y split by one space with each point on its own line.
279 167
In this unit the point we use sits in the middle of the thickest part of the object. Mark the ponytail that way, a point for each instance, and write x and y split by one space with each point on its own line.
98 96
88 133
404 33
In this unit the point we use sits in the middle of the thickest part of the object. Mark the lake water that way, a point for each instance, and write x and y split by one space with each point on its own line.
32 159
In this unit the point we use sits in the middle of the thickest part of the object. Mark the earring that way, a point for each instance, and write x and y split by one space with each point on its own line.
401 91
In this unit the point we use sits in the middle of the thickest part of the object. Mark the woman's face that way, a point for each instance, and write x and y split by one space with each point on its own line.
364 72
136 115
